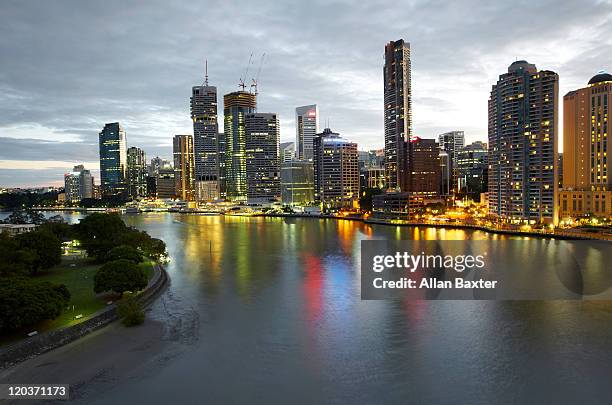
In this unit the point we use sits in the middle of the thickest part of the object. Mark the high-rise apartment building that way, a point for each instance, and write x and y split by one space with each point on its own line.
336 170
113 160
78 184
233 176
184 167
587 181
306 128
398 113
452 142
523 145
203 105
72 187
262 157
136 172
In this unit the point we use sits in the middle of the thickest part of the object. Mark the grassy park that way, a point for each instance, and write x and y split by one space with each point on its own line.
77 274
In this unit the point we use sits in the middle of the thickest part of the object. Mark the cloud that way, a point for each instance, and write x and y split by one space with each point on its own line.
69 67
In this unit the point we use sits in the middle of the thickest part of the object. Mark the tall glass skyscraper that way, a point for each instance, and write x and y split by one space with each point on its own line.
263 160
205 130
523 145
398 113
233 175
452 142
306 128
136 172
184 167
113 160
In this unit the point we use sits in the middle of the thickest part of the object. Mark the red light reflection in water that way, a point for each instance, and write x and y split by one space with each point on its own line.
313 286
313 295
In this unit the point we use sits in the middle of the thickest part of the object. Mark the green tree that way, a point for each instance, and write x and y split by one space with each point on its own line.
124 252
119 276
44 249
99 233
24 302
13 260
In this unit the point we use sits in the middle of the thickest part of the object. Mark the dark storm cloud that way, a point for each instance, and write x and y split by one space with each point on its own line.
67 67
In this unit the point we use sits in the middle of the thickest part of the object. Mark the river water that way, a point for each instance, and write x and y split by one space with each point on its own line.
268 310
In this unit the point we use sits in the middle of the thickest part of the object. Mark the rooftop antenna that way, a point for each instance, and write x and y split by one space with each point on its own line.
246 72
205 72
256 78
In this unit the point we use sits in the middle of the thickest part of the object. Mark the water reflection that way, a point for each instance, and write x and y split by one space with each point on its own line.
282 321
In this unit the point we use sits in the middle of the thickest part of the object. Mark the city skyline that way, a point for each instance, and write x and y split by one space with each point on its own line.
51 117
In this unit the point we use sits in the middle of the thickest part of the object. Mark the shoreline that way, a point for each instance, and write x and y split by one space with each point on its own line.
33 347
557 234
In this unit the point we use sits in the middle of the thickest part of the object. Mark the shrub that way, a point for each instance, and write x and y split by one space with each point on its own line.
130 312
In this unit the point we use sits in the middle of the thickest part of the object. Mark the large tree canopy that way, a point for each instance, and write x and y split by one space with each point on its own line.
119 276
25 301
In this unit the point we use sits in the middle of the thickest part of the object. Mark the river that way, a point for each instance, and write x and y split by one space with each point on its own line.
268 310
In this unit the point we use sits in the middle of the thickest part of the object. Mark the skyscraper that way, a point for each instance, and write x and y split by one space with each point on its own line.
233 175
523 145
398 113
72 187
262 157
336 170
136 172
113 160
472 166
184 167
78 184
587 181
452 142
205 130
425 171
306 128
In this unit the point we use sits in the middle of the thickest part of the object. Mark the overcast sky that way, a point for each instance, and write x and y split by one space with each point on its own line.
68 67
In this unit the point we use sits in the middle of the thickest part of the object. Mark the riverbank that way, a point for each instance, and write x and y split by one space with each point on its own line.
47 341
557 233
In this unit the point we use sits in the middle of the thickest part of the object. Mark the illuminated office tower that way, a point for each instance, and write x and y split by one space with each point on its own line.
336 170
136 172
306 128
398 113
262 157
184 168
587 184
165 185
113 160
233 174
472 166
425 170
452 142
203 105
523 145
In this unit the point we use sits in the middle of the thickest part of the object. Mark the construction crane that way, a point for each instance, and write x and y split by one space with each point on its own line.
255 80
246 72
